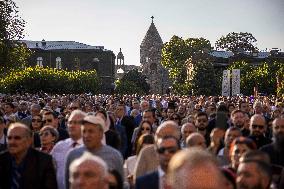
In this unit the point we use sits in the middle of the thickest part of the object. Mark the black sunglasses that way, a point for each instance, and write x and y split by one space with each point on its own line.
170 150
146 129
258 126
47 121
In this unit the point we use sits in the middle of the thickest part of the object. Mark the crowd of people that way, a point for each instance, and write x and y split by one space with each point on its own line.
131 141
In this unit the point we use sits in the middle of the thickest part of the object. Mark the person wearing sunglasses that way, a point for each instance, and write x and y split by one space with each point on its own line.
51 118
257 130
35 126
166 147
145 127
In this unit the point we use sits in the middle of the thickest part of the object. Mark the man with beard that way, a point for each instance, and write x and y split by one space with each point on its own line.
257 130
253 174
238 120
201 123
275 150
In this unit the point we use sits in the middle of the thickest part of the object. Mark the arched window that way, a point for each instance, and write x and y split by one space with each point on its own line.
39 61
58 63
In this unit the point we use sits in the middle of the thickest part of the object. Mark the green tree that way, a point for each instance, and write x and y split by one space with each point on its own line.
247 79
51 80
175 54
12 53
132 82
203 77
237 42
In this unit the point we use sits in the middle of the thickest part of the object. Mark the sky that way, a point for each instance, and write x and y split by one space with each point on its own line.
123 24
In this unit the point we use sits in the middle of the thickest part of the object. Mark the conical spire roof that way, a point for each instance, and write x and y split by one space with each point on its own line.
152 36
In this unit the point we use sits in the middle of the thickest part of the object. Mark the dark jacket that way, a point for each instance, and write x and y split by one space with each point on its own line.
38 173
147 181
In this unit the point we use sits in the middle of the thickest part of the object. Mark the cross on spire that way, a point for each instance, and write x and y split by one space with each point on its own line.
152 18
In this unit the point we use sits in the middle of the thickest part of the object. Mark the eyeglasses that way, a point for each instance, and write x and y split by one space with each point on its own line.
170 150
145 129
36 120
15 137
44 134
258 126
75 122
74 108
47 121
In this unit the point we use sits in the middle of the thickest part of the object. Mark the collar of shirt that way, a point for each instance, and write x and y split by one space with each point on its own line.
79 142
161 173
3 139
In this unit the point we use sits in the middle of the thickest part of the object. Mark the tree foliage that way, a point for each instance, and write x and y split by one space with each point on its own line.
50 80
132 82
175 53
12 53
203 77
263 76
237 42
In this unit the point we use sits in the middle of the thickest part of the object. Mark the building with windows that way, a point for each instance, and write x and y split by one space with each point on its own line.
71 55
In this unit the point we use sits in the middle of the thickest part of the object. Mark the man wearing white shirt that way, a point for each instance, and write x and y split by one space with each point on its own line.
61 149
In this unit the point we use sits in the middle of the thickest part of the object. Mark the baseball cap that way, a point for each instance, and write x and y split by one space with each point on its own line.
96 120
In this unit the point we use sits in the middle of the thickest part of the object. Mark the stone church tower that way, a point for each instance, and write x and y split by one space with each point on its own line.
150 59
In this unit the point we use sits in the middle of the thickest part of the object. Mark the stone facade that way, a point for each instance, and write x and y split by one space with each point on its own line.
150 59
70 55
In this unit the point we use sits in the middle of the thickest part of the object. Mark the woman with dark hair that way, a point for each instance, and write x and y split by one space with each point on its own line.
111 137
176 118
145 127
230 178
35 126
115 180
239 146
129 164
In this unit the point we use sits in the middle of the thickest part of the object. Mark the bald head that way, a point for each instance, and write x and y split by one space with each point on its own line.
198 165
257 125
20 126
278 125
196 140
167 128
187 129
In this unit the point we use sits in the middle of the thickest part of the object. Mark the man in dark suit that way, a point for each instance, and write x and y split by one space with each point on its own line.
24 167
166 148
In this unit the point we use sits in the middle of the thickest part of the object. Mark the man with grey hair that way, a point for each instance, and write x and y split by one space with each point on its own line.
61 149
92 134
88 171
186 130
22 166
144 105
194 168
148 159
35 110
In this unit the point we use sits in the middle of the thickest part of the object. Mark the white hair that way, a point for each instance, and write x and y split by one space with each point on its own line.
88 157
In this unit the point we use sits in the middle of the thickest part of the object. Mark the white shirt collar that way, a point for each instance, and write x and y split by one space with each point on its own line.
161 173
